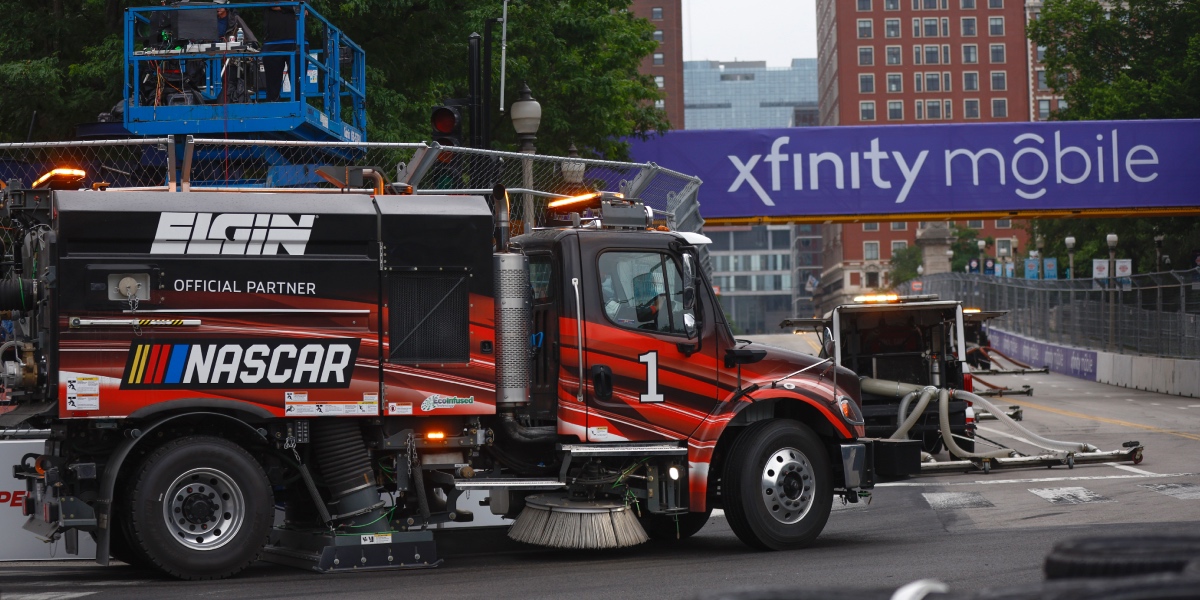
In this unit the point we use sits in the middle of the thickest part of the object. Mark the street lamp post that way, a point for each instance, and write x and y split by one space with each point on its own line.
526 116
1112 293
1158 241
1070 242
1040 241
982 255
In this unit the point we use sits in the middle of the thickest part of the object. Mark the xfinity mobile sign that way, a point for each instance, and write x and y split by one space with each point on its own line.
959 168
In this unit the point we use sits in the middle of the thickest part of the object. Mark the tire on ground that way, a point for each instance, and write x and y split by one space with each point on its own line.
1121 556
219 502
776 485
671 528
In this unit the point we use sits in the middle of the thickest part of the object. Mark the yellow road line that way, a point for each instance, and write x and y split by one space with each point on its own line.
1067 413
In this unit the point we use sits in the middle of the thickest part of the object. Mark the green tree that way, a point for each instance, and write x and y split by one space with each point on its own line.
904 265
580 57
966 247
1136 59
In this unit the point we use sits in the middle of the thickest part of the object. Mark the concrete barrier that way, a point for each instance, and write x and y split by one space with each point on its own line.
1178 377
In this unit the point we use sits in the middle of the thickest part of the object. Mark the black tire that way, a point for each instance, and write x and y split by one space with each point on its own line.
671 528
214 490
1121 556
802 486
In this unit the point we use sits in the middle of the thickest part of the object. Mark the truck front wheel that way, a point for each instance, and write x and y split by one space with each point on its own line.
200 508
776 485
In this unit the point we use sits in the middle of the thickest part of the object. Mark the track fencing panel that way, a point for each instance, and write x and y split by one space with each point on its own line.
136 163
1154 314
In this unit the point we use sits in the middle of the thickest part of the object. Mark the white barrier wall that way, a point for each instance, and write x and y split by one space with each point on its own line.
16 543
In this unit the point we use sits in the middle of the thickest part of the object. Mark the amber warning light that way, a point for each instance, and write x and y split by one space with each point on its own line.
576 202
61 178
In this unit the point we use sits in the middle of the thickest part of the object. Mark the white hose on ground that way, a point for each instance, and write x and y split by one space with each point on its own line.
1037 440
948 438
902 432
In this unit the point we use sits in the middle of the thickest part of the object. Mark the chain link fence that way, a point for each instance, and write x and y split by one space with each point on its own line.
1154 314
141 163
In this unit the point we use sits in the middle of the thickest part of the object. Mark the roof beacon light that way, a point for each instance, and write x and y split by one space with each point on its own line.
59 179
970 311
579 202
877 298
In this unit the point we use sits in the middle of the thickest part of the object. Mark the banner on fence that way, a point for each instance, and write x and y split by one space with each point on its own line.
1031 268
1099 268
1050 268
951 168
1061 359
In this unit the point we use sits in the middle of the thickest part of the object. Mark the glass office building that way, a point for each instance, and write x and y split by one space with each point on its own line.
748 94
761 273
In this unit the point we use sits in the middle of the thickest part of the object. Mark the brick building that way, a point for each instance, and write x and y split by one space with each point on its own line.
666 63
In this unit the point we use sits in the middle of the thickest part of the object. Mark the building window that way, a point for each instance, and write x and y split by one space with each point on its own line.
660 104
866 84
916 28
946 110
975 224
893 55
917 82
1062 104
870 226
931 28
999 81
864 5
997 55
1043 110
999 108
920 110
995 25
970 81
971 109
656 13
658 35
898 246
933 109
1042 84
970 54
872 280
945 27
658 59
1003 223
866 56
1041 54
933 82
866 111
891 28
895 83
995 3
899 226
931 55
660 81
895 110
967 4
931 4
1003 247
916 55
865 29
968 26
891 4
946 81
870 250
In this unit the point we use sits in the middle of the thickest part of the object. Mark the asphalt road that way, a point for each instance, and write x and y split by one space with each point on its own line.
971 531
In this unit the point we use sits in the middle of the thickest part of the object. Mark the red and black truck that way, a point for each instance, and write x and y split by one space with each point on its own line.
316 379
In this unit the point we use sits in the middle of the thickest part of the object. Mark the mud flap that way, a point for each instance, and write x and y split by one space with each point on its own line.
325 552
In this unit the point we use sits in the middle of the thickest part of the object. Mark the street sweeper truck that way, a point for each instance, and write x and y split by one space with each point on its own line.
317 379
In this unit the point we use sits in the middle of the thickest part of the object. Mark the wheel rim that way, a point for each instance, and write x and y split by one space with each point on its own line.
787 485
205 509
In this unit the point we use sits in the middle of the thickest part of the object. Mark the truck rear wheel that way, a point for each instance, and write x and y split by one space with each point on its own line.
776 486
200 508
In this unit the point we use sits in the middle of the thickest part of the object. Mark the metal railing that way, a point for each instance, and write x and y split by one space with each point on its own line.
196 164
1153 314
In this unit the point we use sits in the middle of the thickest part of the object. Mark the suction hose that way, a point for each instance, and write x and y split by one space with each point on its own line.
1035 438
948 438
17 294
906 423
527 435
346 469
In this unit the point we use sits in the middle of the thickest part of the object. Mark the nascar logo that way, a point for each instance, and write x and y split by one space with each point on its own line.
244 234
241 364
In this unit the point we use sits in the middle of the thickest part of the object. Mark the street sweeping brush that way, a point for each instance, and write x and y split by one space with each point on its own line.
557 521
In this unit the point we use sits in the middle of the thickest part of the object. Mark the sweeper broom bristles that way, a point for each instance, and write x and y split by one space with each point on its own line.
560 522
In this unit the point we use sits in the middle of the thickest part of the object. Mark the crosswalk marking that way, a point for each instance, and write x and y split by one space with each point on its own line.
47 595
1070 495
952 500
1183 491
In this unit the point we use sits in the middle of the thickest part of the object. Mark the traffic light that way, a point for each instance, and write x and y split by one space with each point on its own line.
446 121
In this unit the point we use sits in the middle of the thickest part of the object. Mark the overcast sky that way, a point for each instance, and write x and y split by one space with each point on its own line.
772 30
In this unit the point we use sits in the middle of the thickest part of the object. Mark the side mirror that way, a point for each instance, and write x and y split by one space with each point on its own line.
742 356
827 345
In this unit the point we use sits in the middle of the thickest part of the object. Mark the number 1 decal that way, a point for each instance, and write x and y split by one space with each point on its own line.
651 361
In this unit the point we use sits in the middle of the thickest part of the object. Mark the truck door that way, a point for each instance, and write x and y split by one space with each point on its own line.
650 351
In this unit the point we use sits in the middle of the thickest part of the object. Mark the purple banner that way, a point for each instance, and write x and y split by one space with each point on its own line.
1060 359
935 168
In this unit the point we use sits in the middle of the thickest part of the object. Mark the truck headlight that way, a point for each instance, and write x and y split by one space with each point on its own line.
850 410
